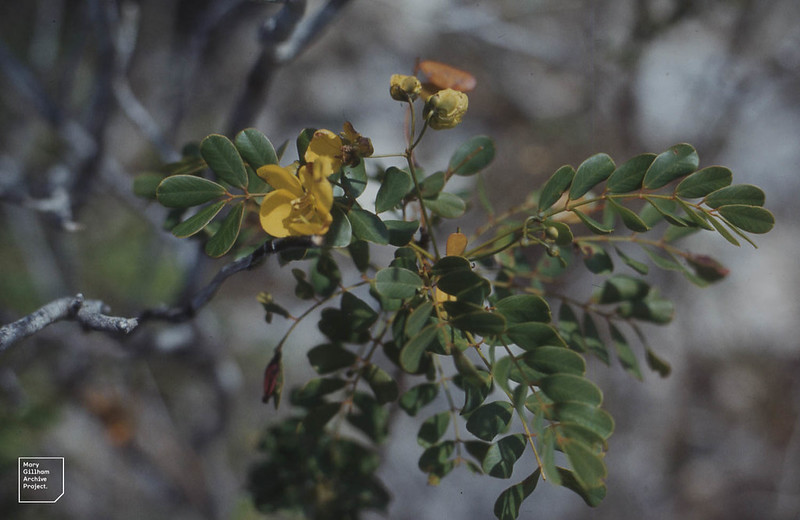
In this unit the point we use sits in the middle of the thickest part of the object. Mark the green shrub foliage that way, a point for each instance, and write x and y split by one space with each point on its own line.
463 331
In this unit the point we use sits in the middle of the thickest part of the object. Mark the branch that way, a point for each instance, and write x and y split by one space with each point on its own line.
283 38
90 313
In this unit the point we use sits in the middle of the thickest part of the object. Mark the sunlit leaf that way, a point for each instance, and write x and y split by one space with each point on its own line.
255 148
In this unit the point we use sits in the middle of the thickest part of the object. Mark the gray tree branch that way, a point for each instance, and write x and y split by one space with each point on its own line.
91 314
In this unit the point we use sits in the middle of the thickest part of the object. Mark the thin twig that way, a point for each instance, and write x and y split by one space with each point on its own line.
91 313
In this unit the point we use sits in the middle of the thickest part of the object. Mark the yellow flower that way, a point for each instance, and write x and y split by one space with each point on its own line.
299 205
404 88
445 109
328 146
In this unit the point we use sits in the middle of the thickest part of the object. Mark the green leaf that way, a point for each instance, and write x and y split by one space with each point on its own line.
500 457
357 312
705 181
467 286
340 233
222 241
183 191
312 392
620 288
507 505
373 419
465 367
520 308
555 186
418 319
531 335
396 184
354 178
302 141
447 205
479 321
432 185
592 340
411 354
695 216
678 161
198 221
570 329
146 185
224 160
570 387
592 496
586 415
368 226
629 218
547 446
722 230
587 464
187 165
359 252
255 148
396 282
637 266
330 357
555 360
472 156
596 259
666 208
475 392
656 363
433 458
490 420
318 417
628 177
325 275
752 219
383 386
652 308
417 397
432 429
624 352
593 225
450 264
590 173
739 194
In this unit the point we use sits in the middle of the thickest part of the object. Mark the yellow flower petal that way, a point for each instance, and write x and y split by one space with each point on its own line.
325 144
315 179
280 179
276 212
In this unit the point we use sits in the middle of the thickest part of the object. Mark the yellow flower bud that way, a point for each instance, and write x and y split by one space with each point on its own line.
445 109
404 88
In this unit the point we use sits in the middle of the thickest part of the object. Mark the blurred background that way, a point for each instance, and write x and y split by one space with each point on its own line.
165 424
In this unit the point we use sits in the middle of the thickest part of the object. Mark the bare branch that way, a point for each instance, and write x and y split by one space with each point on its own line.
283 37
88 313
91 313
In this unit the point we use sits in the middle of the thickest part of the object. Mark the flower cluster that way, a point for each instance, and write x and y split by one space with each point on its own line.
303 196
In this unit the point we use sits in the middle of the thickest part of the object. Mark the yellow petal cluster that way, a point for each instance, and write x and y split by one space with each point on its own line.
300 205
445 109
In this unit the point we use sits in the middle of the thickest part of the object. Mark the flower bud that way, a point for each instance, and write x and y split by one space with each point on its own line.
404 88
445 109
